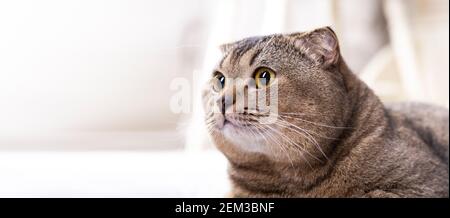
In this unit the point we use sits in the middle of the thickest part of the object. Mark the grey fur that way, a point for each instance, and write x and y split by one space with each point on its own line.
366 149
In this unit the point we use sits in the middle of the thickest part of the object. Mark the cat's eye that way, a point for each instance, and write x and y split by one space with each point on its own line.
218 81
264 77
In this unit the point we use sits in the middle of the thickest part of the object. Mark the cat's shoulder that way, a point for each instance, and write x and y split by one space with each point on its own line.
419 114
418 109
429 122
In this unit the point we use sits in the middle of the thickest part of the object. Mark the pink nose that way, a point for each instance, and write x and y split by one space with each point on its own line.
220 120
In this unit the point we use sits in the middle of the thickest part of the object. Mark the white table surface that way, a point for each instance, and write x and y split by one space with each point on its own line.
112 174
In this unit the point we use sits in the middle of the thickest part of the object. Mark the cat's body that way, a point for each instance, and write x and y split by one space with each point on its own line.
405 158
366 149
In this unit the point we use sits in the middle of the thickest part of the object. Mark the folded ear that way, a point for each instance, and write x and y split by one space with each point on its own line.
224 48
320 45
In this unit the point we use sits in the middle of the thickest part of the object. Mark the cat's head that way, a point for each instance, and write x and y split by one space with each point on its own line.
297 78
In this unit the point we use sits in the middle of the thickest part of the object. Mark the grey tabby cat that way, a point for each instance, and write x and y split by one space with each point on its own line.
333 136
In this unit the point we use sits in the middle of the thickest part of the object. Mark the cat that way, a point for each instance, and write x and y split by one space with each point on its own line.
333 137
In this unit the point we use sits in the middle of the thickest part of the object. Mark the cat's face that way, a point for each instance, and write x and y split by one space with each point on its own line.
297 77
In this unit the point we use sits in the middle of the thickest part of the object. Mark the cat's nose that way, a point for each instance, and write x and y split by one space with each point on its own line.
226 102
233 100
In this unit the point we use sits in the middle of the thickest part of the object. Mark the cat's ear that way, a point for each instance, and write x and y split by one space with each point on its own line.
224 48
320 45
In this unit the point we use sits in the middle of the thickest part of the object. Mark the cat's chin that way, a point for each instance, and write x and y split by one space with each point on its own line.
244 137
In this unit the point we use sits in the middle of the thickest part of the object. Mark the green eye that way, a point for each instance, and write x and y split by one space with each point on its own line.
264 77
218 81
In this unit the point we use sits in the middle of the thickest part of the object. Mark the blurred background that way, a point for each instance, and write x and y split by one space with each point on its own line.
85 85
